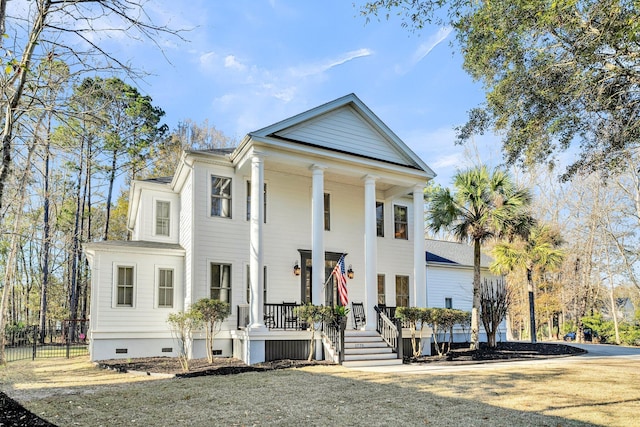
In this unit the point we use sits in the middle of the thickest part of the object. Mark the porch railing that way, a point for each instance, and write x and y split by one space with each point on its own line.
334 331
276 316
389 330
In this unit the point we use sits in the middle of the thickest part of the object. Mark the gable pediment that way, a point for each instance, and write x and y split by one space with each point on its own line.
346 131
345 125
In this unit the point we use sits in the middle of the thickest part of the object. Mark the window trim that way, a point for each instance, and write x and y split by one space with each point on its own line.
384 288
247 272
114 301
210 278
212 196
326 210
155 218
159 268
247 189
379 231
396 222
408 295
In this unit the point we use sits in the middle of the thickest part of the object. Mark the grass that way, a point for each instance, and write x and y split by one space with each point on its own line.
561 392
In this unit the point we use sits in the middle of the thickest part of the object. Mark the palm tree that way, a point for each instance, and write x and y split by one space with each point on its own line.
539 250
486 204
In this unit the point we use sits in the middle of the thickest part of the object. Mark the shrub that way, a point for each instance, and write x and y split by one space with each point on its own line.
212 312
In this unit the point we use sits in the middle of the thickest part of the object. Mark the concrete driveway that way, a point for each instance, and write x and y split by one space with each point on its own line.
594 352
606 350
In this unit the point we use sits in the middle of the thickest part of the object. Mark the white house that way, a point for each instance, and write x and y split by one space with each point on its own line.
247 225
449 275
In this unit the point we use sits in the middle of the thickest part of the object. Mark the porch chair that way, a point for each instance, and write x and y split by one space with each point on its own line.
290 319
359 318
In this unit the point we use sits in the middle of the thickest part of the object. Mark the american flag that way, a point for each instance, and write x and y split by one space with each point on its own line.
341 277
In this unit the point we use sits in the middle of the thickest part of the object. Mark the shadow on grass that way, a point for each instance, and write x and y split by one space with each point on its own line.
312 396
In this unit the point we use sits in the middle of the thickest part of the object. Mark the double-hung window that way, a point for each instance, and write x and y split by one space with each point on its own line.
249 201
381 295
400 222
163 210
124 287
402 291
220 288
327 211
165 287
220 196
380 219
264 285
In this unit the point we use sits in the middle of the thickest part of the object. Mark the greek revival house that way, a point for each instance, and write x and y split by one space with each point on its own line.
262 226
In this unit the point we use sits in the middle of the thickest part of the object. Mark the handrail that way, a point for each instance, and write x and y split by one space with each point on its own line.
276 316
390 331
334 331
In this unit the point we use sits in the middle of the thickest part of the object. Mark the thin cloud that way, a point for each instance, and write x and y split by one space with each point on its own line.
314 69
424 49
232 62
448 161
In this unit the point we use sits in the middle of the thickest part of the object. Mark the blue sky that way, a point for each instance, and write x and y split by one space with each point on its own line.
250 63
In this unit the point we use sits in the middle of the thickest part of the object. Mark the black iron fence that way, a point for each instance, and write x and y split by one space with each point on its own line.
65 338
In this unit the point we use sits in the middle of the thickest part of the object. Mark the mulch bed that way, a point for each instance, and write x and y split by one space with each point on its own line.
460 353
12 414
201 367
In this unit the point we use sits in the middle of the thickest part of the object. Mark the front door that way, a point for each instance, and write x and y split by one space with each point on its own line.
330 286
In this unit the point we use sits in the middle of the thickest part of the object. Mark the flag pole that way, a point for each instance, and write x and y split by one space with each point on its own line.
332 271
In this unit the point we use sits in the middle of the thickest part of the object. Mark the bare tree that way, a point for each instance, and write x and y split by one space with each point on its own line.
494 302
67 30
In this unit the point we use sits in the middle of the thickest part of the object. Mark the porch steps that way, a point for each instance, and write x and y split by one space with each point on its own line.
367 348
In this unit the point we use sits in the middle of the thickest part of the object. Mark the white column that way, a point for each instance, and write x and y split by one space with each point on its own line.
256 258
419 288
317 234
370 251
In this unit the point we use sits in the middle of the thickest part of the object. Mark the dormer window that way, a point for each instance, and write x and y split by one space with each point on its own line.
163 213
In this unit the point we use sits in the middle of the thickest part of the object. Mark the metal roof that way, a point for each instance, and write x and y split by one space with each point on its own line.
455 253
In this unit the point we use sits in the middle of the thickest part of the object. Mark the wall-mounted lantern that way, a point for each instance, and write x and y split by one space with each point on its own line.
296 269
350 273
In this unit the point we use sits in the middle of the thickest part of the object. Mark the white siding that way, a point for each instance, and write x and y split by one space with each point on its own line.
144 315
345 130
146 222
288 229
186 235
456 282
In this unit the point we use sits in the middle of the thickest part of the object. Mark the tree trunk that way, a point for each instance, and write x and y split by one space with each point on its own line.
75 245
20 78
11 262
46 241
112 179
475 310
532 308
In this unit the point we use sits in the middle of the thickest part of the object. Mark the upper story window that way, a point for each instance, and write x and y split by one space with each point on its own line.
163 210
220 196
327 211
249 201
448 303
380 219
124 286
220 282
400 222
